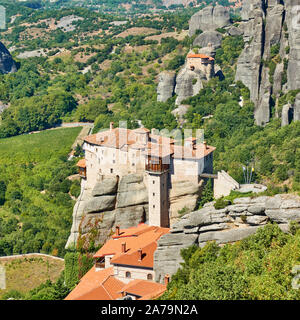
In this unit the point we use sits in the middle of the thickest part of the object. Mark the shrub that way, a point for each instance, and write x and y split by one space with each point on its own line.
221 203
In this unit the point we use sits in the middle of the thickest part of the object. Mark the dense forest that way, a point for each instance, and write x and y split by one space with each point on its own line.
35 195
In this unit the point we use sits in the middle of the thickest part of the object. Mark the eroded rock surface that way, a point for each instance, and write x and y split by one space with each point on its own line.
233 223
7 64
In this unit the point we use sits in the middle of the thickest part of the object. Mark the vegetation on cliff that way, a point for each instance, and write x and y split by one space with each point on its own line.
256 268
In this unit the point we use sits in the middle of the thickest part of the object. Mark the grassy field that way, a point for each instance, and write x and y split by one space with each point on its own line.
38 146
24 274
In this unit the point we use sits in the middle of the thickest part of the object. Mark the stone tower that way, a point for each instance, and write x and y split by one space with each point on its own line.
158 173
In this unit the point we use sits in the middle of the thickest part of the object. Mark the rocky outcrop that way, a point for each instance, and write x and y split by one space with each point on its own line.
213 37
297 108
286 115
209 19
122 202
293 26
272 35
108 204
166 85
231 224
188 84
7 64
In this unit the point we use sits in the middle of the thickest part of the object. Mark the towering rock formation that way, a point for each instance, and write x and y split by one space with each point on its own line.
7 64
113 202
191 76
272 35
166 85
209 19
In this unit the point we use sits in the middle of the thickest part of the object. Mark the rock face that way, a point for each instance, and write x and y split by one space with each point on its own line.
123 202
108 204
286 115
7 64
297 108
209 19
188 84
213 37
270 28
166 85
227 225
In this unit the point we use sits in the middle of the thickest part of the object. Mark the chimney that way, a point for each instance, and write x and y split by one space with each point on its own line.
117 230
205 145
123 247
153 130
111 126
167 279
140 254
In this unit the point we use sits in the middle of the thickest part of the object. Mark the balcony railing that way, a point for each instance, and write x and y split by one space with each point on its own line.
157 167
100 265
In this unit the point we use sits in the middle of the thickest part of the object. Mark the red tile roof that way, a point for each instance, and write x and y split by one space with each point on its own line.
157 146
142 237
90 281
200 55
132 257
144 290
81 163
108 290
102 285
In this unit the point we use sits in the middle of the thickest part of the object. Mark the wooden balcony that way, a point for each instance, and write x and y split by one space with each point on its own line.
82 172
100 263
157 167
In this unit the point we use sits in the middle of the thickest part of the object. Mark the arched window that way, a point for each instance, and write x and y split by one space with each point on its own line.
149 276
128 274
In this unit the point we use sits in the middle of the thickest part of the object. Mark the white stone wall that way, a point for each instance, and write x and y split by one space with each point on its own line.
158 200
224 184
136 273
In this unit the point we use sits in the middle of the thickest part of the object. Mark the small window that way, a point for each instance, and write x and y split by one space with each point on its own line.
111 170
153 181
128 275
114 161
153 194
154 206
149 276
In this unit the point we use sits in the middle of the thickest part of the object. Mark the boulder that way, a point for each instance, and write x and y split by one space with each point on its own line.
257 220
99 204
105 187
227 236
234 31
208 19
283 215
209 37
